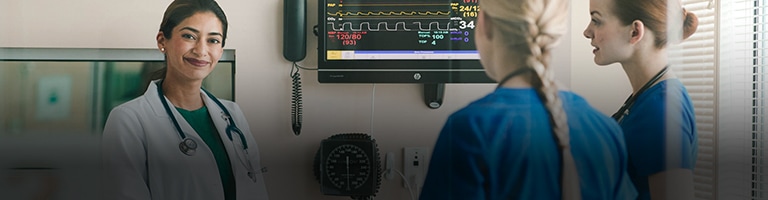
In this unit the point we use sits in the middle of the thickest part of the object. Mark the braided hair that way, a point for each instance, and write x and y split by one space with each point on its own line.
531 28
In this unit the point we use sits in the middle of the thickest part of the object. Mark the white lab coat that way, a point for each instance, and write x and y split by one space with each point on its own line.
142 159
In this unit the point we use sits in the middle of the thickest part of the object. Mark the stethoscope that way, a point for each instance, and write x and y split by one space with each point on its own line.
189 146
624 110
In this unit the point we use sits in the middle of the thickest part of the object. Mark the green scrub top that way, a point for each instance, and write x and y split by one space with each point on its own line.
201 121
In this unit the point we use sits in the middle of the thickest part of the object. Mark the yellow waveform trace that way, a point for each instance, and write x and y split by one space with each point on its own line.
387 4
391 13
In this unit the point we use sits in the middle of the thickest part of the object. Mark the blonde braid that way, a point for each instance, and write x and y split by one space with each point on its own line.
546 87
532 28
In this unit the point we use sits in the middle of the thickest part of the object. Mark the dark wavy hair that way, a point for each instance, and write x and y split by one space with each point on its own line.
179 10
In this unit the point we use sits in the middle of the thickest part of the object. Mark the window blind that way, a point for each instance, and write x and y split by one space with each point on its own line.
694 63
742 116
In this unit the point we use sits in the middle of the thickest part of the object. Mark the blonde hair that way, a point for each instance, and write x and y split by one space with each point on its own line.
530 29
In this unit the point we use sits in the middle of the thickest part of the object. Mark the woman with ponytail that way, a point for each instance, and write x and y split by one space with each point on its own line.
658 118
177 140
527 139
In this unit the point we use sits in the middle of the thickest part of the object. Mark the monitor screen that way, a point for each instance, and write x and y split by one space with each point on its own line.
398 41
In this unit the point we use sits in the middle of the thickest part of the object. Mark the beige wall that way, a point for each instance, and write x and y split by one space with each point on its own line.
393 113
604 87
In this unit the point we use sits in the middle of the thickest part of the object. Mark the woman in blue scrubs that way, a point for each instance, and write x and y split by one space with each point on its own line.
527 139
658 118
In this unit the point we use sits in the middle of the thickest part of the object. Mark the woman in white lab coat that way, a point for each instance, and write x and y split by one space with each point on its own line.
177 141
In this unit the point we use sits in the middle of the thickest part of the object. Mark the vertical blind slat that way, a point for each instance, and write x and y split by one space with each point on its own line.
744 115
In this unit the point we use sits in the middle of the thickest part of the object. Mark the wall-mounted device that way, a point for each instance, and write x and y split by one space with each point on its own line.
294 50
414 166
433 95
348 165
398 41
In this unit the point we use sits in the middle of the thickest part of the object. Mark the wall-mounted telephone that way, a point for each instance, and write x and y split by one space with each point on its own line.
294 50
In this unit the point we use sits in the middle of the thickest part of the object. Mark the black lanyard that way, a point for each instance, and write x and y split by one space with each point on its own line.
513 74
624 110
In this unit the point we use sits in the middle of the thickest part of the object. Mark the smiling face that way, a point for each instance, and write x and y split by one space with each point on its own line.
194 48
610 38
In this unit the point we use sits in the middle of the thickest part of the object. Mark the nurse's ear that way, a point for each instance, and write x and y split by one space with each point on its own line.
636 32
161 41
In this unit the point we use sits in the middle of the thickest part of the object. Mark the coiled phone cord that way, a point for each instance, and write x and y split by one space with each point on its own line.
296 102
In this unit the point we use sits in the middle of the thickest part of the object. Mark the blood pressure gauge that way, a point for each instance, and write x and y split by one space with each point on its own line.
348 165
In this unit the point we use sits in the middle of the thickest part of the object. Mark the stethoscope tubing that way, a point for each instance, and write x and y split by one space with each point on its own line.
189 146
624 109
231 126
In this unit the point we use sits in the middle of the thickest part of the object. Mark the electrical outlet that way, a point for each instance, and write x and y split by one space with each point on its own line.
414 165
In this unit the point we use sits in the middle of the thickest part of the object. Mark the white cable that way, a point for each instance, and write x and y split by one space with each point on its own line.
416 185
304 68
373 98
408 183
373 106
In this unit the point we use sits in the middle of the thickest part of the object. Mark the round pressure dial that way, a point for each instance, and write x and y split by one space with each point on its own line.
348 167
348 164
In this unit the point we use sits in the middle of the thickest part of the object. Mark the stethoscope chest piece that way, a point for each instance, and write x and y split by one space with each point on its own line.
188 146
252 175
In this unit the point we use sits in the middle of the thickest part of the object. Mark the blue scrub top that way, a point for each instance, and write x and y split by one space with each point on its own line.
650 123
502 147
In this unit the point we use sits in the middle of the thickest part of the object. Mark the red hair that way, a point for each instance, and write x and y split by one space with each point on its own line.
653 14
